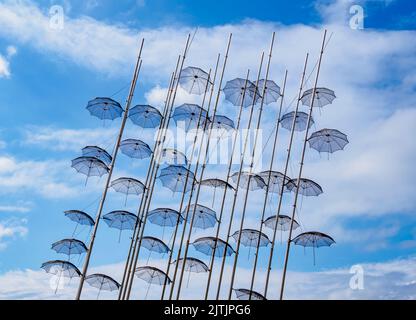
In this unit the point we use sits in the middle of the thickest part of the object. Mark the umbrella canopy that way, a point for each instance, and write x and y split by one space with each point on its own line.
119 219
69 247
272 90
191 114
61 268
90 166
194 80
173 156
328 140
105 108
275 179
165 217
176 177
300 123
256 182
250 238
204 217
134 148
97 152
145 116
323 97
206 246
193 265
222 123
238 88
245 294
80 217
152 275
102 282
128 186
216 183
308 187
283 223
154 244
313 239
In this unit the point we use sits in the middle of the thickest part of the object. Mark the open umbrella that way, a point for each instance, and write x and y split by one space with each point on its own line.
216 183
250 238
145 116
313 239
206 246
204 217
127 186
176 177
328 140
154 245
256 182
192 265
69 247
323 97
80 218
283 224
152 275
194 80
61 268
134 148
165 217
238 88
300 123
245 294
120 219
90 167
308 187
97 152
105 108
173 156
275 179
191 114
272 90
102 282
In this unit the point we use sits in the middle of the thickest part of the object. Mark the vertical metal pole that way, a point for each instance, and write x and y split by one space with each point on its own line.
268 183
301 168
112 164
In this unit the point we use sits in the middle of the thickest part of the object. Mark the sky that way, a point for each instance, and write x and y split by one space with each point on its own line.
48 74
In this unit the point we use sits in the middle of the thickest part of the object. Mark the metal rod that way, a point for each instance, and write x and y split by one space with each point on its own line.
282 188
268 183
301 168
112 164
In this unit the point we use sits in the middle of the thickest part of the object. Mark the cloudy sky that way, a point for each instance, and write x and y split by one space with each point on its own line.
50 69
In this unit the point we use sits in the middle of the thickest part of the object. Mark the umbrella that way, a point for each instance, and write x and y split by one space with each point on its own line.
307 187
62 268
204 217
97 152
216 183
134 148
192 265
194 80
128 186
223 123
301 121
283 223
152 275
275 180
256 182
90 166
145 116
165 217
313 239
191 114
238 88
323 97
206 246
80 217
272 90
154 245
173 156
245 294
105 108
176 177
328 140
102 282
122 220
250 238
69 247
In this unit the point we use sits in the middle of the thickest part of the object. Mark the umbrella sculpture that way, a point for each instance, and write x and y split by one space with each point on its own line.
61 268
328 140
323 97
250 238
276 180
192 265
105 108
206 246
308 187
216 183
238 88
154 245
97 152
204 217
256 182
122 220
176 177
102 282
145 116
134 148
165 217
90 167
191 114
194 80
80 218
245 294
272 91
69 247
152 275
127 186
313 239
222 123
283 224
173 156
300 123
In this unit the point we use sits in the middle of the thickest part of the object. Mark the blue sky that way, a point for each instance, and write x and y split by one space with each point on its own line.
47 77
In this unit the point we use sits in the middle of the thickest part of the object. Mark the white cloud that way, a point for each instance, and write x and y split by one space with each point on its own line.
5 63
10 229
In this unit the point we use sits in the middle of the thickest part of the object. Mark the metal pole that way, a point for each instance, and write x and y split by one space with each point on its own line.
268 183
301 168
115 152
